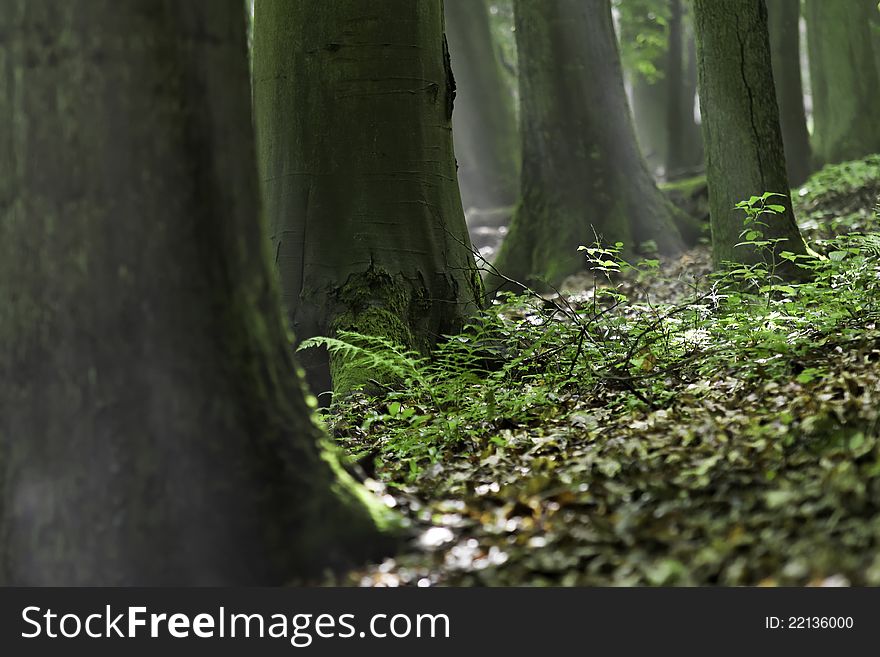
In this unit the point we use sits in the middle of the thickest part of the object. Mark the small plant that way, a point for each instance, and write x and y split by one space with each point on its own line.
604 261
373 353
763 274
517 363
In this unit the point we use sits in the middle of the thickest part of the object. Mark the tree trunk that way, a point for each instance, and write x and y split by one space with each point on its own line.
845 79
353 104
875 31
667 133
582 169
676 117
693 136
783 18
650 98
741 130
484 123
154 431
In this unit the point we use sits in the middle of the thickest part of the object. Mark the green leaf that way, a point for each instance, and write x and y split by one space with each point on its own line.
807 376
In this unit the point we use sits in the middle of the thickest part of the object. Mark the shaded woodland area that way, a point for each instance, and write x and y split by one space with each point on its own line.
440 292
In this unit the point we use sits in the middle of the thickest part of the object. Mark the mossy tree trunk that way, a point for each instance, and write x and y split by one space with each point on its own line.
353 104
845 79
484 121
741 131
783 21
581 166
153 428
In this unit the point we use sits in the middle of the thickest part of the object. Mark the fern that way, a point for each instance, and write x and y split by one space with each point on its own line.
870 243
375 353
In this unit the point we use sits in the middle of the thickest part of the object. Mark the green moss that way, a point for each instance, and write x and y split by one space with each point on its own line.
353 495
685 187
378 304
347 376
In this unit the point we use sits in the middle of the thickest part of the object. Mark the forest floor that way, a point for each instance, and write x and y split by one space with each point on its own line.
665 428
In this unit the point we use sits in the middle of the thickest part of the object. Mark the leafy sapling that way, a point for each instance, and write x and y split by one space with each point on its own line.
759 211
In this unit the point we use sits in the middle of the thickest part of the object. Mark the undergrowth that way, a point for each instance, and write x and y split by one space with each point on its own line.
611 343
839 198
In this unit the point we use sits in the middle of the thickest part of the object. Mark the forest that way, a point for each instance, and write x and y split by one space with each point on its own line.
417 293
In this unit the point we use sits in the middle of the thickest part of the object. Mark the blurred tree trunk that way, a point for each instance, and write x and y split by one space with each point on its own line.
484 122
154 429
693 134
582 169
741 130
875 32
676 117
783 19
353 104
663 107
650 100
845 79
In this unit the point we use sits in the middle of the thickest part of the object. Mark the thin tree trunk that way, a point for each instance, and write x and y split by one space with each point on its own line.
845 79
582 169
484 122
664 120
783 20
153 429
663 109
353 104
693 136
676 118
741 130
874 12
650 98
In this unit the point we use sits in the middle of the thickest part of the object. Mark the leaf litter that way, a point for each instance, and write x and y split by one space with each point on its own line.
735 477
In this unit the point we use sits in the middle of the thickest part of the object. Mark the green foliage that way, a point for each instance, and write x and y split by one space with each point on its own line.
372 353
759 212
838 199
644 35
511 365
660 424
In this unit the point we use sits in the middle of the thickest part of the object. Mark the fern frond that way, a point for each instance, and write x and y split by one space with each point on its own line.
373 352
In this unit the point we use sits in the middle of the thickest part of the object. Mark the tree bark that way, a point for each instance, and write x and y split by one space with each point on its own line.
845 79
741 131
783 20
353 104
484 122
582 169
153 429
